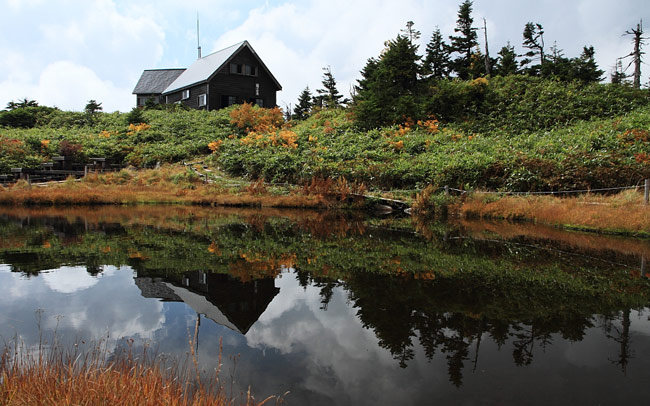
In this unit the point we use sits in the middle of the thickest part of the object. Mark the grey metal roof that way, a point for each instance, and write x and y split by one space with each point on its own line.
203 69
154 81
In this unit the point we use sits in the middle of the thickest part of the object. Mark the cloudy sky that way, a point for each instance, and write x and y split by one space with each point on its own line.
64 52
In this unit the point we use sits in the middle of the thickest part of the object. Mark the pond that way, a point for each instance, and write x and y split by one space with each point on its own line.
340 308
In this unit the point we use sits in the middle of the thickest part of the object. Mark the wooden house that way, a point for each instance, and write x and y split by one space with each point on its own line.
233 75
152 83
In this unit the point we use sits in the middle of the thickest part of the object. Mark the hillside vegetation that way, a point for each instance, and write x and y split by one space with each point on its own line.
517 133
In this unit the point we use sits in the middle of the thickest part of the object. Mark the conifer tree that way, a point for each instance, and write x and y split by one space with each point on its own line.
411 33
329 96
303 108
534 41
585 68
387 93
437 60
465 42
507 61
556 65
619 76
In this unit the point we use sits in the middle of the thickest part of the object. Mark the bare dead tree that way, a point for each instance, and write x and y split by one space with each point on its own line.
637 54
488 66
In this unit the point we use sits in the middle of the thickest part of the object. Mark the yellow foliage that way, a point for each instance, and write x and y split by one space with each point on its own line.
290 138
481 82
214 248
430 126
255 119
214 145
136 128
107 134
397 145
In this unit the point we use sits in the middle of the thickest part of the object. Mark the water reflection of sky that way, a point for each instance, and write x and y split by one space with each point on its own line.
323 357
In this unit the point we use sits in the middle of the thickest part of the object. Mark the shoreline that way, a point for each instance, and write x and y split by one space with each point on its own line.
622 214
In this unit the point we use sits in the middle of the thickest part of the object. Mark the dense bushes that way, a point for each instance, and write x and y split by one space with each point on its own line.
518 103
26 117
513 133
587 154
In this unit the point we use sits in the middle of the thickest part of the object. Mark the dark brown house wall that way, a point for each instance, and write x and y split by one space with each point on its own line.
141 99
193 100
241 86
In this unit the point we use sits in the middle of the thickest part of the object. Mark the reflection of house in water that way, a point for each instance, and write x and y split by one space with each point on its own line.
221 298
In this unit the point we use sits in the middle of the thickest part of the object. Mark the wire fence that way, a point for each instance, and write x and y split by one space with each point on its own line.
552 192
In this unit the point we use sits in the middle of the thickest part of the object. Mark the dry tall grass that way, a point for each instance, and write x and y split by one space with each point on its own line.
164 185
52 376
620 213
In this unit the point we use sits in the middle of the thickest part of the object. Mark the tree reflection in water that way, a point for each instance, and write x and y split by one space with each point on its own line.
444 288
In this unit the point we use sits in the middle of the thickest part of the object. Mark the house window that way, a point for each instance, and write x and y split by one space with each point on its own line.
202 100
243 69
232 100
257 89
259 102
251 70
185 94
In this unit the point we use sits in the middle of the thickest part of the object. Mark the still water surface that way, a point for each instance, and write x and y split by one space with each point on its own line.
341 309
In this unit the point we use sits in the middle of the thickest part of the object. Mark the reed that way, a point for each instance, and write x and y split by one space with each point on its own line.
51 375
622 213
167 185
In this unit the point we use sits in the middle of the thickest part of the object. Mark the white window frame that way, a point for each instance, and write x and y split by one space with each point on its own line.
203 100
185 94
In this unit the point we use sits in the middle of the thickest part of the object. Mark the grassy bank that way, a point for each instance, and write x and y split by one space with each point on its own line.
177 185
623 213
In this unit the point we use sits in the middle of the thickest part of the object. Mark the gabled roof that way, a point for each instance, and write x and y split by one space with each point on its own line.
154 81
205 68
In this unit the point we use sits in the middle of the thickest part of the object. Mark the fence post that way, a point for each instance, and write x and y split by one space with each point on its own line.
446 190
647 191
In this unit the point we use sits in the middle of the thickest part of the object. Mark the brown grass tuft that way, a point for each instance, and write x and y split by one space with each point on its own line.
52 376
623 212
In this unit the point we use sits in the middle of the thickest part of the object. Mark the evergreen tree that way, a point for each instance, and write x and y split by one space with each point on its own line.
329 97
556 65
411 33
437 60
619 76
585 68
91 110
477 66
534 41
387 93
135 116
21 104
465 42
506 62
303 108
92 107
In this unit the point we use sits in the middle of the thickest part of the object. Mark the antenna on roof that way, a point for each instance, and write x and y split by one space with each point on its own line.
198 40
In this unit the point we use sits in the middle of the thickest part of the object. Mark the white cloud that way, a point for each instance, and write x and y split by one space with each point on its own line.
115 40
296 40
73 51
69 279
